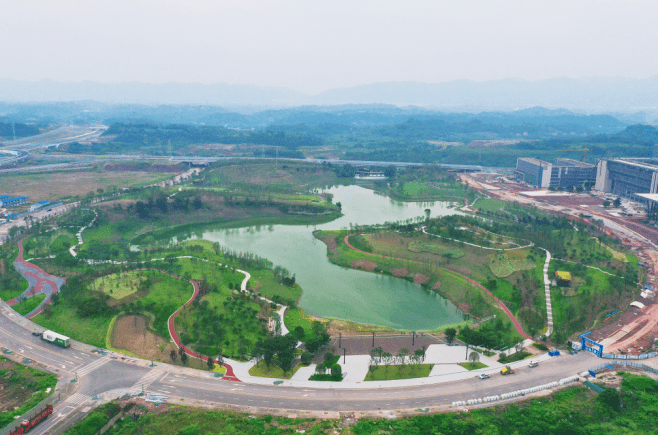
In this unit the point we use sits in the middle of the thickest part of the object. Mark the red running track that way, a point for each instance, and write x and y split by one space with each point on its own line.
229 376
501 304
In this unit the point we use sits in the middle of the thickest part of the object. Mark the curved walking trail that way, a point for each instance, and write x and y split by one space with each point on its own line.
501 304
39 282
229 376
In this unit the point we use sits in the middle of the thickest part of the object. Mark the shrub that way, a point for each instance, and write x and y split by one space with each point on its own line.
336 371
306 357
540 346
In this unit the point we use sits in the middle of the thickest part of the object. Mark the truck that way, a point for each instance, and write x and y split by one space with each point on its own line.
29 424
507 371
58 339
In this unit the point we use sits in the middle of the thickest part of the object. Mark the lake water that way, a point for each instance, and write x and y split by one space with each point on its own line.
333 291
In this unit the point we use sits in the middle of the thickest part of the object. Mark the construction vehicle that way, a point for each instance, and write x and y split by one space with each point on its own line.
507 371
29 424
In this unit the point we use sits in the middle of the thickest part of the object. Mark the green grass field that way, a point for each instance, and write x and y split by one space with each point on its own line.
393 372
274 371
28 305
65 320
503 266
119 285
435 248
472 365
296 317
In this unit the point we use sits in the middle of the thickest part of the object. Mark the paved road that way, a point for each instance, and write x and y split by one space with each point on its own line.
102 374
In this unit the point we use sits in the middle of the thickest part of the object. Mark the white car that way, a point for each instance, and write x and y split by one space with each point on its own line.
483 376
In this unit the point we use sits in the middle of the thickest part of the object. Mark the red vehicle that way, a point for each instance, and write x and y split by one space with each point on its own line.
27 425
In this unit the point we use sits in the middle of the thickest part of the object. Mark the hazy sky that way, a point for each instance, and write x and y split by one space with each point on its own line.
312 46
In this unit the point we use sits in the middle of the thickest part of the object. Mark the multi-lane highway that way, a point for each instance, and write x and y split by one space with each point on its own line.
102 374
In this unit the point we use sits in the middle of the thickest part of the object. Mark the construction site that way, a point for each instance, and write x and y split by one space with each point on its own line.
634 330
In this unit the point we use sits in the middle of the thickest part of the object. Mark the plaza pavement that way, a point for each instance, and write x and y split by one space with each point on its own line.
446 369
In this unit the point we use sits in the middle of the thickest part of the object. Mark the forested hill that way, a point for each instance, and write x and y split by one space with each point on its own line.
9 130
177 136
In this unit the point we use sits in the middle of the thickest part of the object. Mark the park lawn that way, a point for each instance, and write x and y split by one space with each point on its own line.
211 272
238 319
119 285
22 388
453 287
264 283
472 365
502 265
295 317
505 291
28 305
435 248
393 372
64 320
417 189
274 371
13 283
48 243
492 205
263 178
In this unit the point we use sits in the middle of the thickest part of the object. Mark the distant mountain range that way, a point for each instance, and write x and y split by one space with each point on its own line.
589 94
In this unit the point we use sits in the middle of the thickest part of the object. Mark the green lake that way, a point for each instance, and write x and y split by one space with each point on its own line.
336 292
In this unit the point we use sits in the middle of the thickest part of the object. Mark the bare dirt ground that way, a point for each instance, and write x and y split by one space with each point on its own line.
402 271
634 330
420 278
364 265
52 186
131 333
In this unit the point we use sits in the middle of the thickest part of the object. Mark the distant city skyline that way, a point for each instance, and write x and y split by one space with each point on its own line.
312 47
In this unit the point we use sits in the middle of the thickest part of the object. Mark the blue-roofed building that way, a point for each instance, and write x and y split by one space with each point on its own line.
11 202
4 197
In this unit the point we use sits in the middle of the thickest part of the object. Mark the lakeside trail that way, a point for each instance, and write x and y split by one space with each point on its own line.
501 304
39 282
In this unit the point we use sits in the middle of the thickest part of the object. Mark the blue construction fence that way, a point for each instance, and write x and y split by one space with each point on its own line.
642 356
609 365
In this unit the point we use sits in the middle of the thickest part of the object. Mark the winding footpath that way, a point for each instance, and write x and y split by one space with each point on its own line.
501 304
39 282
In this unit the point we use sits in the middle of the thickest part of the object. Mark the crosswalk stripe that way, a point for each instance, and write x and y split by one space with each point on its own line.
92 366
148 379
76 399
